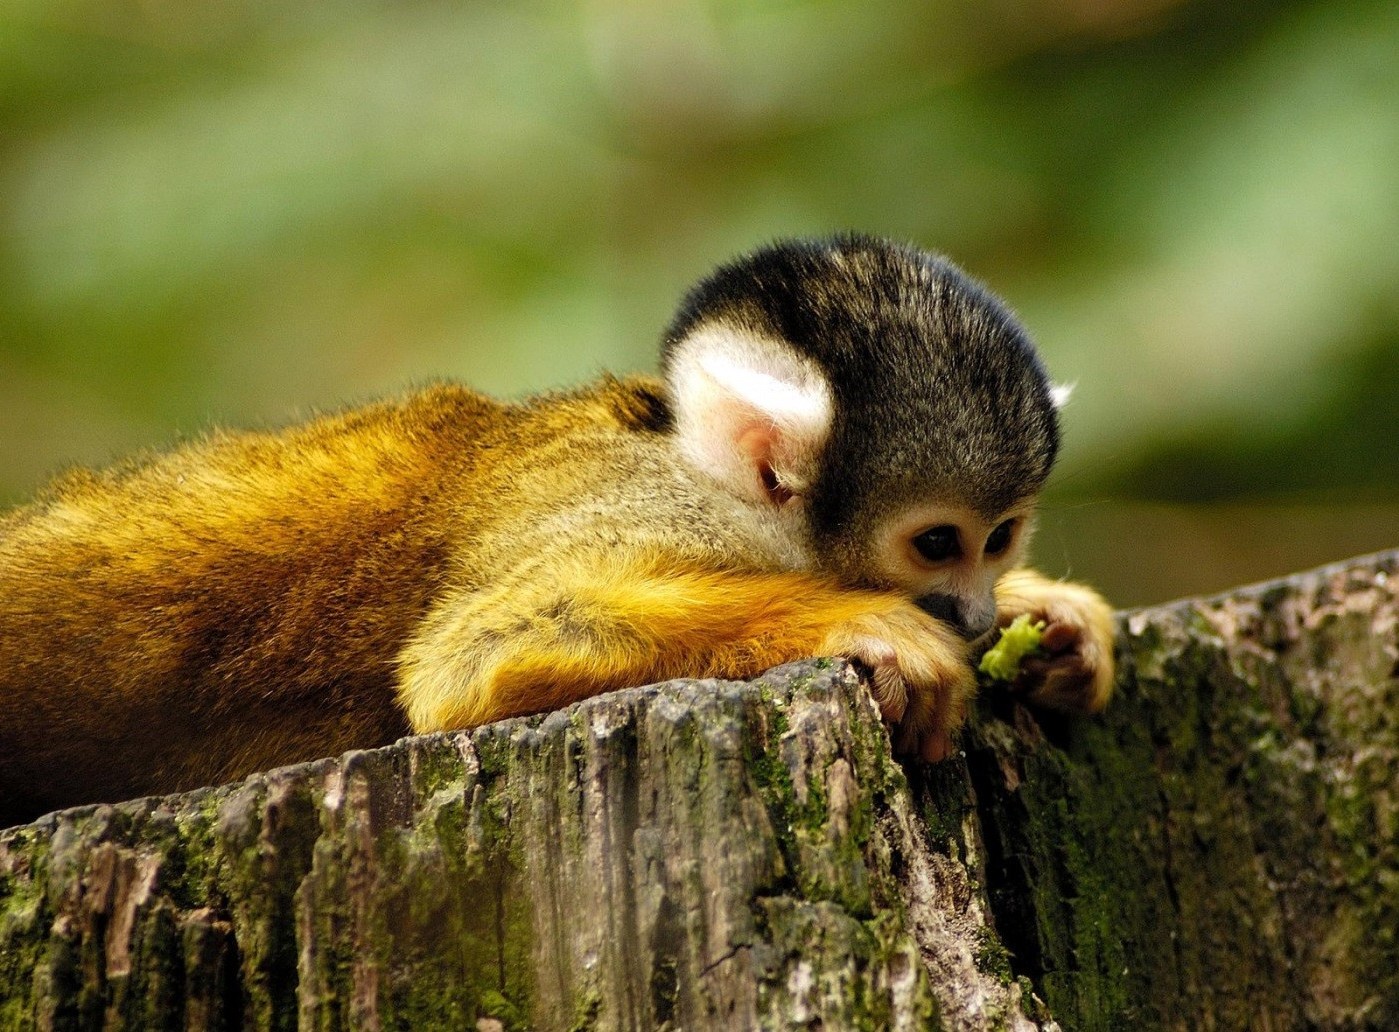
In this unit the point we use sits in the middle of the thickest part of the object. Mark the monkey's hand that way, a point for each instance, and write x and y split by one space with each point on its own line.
1076 674
919 671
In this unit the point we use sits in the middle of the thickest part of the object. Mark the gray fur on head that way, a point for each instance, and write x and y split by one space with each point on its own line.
937 391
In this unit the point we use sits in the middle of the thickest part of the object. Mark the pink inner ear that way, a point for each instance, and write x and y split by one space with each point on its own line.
757 443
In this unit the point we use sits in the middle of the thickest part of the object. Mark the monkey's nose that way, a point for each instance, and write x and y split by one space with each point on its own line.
970 622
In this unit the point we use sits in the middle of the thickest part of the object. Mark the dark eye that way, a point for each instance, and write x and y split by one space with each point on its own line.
999 538
938 543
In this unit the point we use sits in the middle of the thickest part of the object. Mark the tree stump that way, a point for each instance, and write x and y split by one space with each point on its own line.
1219 850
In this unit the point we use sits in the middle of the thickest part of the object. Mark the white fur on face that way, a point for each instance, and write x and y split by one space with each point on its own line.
745 402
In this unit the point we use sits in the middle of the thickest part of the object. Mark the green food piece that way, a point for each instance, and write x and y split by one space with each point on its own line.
1002 660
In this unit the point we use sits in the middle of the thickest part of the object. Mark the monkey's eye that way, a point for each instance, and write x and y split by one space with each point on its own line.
999 539
938 543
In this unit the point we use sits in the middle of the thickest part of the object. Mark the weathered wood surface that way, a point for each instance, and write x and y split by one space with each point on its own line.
1221 850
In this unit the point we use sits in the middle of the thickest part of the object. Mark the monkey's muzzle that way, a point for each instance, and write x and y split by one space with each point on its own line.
967 616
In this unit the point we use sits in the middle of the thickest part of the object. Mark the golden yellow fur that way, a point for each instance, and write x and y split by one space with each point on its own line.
231 605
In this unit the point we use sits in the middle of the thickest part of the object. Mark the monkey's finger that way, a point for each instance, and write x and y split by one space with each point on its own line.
892 711
1064 671
1064 685
1071 667
1060 637
890 693
936 747
1069 689
1033 670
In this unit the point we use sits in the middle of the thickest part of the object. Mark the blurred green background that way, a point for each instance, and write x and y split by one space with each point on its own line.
243 211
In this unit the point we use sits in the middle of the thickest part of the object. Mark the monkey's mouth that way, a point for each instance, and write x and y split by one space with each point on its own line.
971 623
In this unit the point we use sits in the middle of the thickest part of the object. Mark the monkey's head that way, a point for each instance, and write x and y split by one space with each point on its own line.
884 406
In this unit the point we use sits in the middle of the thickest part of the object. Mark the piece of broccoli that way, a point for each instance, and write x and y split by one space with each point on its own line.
1002 660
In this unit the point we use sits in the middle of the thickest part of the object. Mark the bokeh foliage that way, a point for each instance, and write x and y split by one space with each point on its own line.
239 212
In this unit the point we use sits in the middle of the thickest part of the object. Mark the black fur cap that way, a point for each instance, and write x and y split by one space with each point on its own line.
939 393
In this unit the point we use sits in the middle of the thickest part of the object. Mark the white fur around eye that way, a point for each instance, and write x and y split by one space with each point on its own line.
743 403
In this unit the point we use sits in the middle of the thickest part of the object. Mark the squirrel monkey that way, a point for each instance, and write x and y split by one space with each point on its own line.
842 457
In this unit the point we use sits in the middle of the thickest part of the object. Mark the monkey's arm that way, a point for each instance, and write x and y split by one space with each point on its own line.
1078 673
564 630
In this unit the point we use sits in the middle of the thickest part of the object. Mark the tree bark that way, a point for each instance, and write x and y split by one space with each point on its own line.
1219 850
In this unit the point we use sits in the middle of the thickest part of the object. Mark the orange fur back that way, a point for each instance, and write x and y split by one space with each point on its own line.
229 606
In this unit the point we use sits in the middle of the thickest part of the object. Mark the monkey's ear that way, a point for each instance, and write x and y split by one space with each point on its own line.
1060 393
750 412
